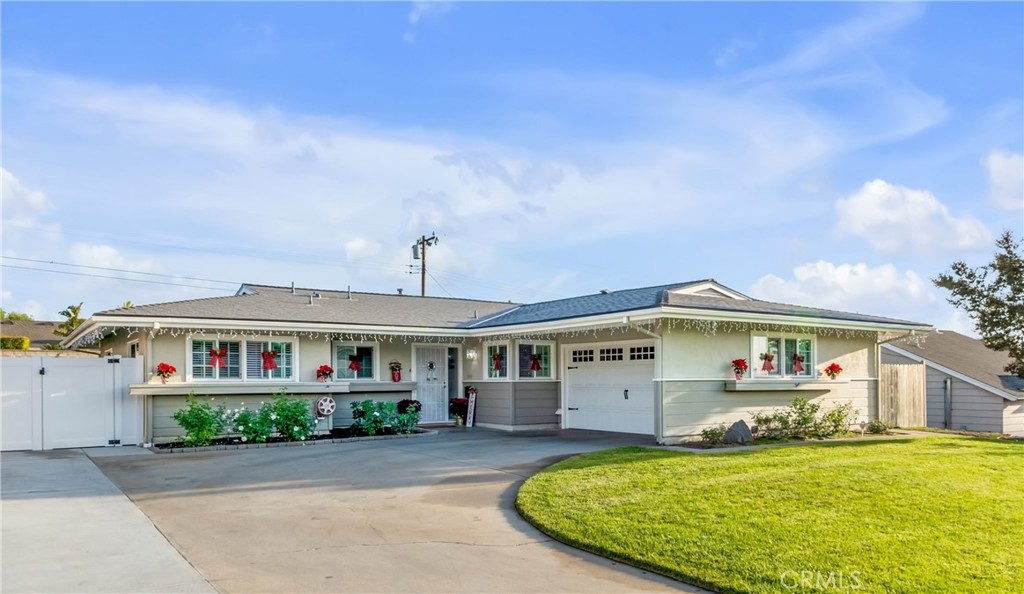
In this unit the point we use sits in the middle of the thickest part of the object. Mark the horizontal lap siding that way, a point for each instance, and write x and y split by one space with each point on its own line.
690 407
494 403
1013 418
536 403
973 408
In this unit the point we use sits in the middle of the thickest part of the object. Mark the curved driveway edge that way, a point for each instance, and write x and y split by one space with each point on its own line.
423 515
67 528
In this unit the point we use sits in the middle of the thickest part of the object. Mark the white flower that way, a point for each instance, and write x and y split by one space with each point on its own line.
244 438
295 429
241 427
376 414
273 416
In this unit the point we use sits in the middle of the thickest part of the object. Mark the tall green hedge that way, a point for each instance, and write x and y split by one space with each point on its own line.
19 343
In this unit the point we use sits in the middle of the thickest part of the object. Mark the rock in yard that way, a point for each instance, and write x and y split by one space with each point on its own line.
739 433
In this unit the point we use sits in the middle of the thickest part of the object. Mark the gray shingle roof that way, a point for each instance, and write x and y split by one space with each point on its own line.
648 297
967 356
278 304
38 333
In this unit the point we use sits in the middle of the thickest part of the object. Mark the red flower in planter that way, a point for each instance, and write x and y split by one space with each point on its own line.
833 370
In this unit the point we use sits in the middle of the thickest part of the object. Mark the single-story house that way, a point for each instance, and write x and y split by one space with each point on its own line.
653 360
966 385
39 334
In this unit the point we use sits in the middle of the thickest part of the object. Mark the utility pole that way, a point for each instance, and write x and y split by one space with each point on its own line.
419 252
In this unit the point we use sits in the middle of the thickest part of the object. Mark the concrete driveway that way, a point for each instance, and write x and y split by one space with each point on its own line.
429 514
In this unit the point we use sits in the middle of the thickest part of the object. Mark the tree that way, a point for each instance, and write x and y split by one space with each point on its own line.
127 305
14 315
993 296
71 321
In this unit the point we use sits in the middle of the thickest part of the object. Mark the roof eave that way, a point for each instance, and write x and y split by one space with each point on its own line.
952 372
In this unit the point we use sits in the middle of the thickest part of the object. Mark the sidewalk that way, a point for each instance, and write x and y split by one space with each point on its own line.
67 528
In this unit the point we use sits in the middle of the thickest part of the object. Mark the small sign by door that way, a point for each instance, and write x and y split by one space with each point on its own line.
471 409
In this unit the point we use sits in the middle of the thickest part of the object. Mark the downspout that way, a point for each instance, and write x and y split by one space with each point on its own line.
947 404
659 418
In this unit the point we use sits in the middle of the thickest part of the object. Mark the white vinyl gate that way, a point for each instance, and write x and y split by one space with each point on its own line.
51 402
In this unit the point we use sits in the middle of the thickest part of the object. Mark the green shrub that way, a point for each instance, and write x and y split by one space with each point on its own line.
408 415
254 425
293 418
877 427
714 435
18 343
835 421
371 417
201 421
803 419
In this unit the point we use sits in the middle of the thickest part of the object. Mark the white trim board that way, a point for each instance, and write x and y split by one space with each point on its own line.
964 378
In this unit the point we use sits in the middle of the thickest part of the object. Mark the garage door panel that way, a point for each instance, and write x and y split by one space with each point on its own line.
596 396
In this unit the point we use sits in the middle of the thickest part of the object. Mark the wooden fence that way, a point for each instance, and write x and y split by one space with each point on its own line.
901 395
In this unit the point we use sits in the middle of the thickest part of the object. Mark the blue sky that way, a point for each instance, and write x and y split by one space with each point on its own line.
827 154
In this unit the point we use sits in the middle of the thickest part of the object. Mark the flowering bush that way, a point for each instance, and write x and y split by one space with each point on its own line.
833 370
293 418
739 366
165 370
325 373
255 426
371 417
200 420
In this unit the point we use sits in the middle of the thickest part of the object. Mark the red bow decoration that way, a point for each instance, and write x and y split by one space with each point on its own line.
353 363
798 363
217 358
767 367
534 362
269 359
496 357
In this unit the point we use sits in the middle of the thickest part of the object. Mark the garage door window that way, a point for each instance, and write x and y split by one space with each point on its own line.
534 360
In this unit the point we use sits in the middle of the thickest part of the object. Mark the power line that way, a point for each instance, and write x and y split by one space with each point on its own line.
206 280
440 285
121 278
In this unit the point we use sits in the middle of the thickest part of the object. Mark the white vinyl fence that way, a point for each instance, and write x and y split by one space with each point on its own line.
51 403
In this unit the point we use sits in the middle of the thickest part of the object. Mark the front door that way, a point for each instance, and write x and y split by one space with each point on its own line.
432 383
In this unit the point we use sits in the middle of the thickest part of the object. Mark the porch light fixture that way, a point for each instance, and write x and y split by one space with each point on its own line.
471 354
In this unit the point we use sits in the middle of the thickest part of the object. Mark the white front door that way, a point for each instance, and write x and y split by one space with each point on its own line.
610 388
432 383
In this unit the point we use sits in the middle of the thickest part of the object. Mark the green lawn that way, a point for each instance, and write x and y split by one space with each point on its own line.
924 515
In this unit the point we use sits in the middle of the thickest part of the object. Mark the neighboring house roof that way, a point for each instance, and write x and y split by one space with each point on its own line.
280 304
333 311
964 356
39 333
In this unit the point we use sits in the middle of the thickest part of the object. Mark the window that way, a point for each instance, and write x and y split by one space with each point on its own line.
610 354
583 356
777 356
644 353
534 360
354 361
497 361
261 355
206 366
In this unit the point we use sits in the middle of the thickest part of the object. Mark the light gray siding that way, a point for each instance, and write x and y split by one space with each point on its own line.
691 406
1013 418
973 408
535 403
890 357
494 403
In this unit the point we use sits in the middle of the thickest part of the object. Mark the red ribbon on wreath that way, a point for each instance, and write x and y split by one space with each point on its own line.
767 358
269 359
496 358
534 362
353 363
798 363
217 358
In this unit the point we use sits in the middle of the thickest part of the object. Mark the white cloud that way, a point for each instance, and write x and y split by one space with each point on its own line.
732 51
895 219
105 256
1006 179
882 290
422 9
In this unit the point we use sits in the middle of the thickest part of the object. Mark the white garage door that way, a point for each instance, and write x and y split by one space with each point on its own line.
610 388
